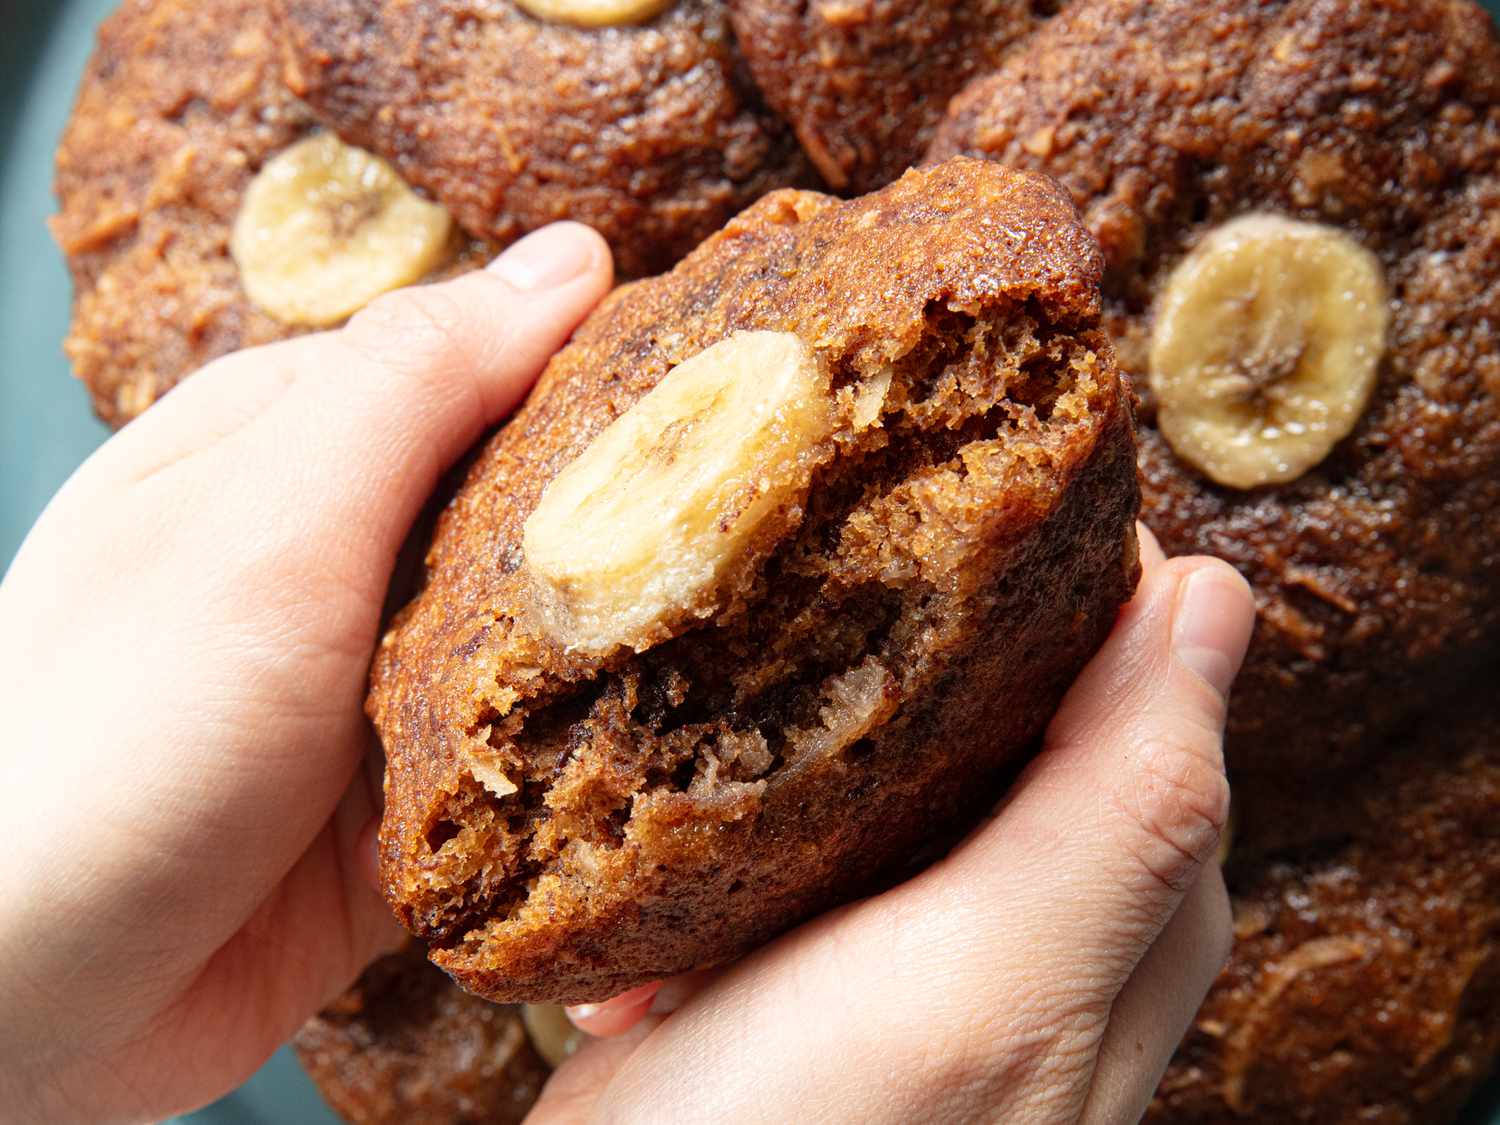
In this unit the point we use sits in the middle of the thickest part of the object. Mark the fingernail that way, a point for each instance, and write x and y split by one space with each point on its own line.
547 258
367 853
634 998
1208 626
624 1009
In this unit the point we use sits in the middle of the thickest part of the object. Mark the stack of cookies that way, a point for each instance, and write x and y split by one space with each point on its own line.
1278 222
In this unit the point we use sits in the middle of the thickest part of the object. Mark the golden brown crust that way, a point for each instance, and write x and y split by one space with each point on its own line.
864 82
1365 980
406 1046
1378 572
954 570
648 133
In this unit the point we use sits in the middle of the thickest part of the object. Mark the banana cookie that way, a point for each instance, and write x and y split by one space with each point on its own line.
1364 984
1365 980
864 82
180 102
630 115
779 574
1299 206
407 1046
201 213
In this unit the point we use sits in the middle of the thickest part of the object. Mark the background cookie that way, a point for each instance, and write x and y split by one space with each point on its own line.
1365 980
649 133
181 106
562 826
180 103
406 1046
864 82
1377 571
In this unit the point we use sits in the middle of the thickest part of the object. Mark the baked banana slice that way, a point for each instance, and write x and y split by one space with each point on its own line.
325 228
594 13
552 1033
644 530
1266 348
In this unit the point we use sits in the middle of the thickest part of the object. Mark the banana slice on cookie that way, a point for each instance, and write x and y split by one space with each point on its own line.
643 529
325 228
1266 348
594 13
551 1032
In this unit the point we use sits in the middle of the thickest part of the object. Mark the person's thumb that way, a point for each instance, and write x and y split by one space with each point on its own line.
215 575
1010 952
358 424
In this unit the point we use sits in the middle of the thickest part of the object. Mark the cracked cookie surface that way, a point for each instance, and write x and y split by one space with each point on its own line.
1377 571
863 83
404 1045
1365 979
649 133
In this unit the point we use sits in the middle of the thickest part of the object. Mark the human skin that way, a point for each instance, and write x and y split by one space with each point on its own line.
188 828
1044 971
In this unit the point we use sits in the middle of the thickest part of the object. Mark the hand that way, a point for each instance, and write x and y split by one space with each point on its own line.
1042 972
187 633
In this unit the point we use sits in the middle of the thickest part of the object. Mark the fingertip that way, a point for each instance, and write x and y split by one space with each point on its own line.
367 853
616 1015
1212 618
555 256
492 329
1152 556
407 385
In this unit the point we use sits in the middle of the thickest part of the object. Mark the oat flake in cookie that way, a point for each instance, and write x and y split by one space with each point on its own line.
1281 171
573 810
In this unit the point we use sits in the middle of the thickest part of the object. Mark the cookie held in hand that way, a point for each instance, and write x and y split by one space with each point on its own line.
773 583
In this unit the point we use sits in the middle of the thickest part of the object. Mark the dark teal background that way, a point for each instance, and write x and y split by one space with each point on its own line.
46 427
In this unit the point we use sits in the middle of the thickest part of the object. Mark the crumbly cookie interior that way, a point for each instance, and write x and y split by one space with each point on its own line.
815 650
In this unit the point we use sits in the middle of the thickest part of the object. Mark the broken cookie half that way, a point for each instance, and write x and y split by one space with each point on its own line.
767 591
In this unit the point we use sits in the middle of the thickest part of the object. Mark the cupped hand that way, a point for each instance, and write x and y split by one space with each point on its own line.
1042 972
187 631
190 626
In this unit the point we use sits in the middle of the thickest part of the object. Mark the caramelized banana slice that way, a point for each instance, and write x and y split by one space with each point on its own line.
1266 347
648 525
326 228
594 13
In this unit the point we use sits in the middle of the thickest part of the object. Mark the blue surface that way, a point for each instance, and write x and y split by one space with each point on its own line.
46 427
